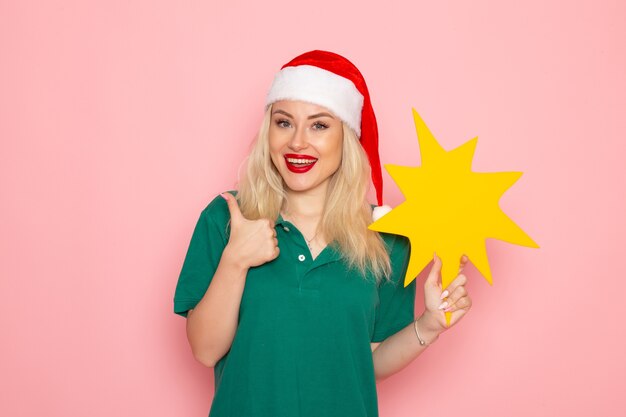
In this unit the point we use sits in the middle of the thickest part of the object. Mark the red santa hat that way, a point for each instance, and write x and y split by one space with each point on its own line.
330 80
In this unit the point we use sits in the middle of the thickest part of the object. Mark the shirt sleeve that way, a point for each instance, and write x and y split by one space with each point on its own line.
396 308
203 255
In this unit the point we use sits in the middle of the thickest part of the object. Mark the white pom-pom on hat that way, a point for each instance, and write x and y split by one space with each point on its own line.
380 211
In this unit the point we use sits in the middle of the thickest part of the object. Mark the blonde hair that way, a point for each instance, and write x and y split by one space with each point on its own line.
346 213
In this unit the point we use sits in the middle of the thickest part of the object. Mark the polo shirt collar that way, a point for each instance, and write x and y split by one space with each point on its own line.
329 254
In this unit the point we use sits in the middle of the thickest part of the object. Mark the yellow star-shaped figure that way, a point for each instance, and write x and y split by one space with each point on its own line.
449 209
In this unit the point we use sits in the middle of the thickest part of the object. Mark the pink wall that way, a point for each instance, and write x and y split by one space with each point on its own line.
120 120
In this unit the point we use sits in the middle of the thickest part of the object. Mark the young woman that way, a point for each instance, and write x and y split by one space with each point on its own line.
297 305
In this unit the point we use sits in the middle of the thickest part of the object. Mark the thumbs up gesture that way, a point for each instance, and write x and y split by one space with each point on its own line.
252 242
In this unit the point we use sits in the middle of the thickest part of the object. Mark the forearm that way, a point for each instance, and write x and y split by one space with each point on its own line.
401 348
212 324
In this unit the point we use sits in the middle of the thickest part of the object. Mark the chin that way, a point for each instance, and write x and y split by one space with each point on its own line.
299 186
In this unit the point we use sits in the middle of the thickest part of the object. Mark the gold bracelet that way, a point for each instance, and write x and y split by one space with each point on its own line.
422 342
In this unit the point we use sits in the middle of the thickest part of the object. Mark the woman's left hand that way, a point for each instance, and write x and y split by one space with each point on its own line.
454 299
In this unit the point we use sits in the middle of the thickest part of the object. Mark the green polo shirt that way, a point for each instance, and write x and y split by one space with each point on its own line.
302 345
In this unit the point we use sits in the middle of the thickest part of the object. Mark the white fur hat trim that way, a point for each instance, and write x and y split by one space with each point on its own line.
319 86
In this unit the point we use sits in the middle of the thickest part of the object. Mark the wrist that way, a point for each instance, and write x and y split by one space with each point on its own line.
233 262
429 328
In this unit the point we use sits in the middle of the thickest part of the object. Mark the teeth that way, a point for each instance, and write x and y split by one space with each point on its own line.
300 161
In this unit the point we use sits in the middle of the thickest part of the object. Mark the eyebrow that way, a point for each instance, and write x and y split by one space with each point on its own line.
310 117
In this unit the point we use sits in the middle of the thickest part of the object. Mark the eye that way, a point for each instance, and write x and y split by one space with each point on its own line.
283 123
319 126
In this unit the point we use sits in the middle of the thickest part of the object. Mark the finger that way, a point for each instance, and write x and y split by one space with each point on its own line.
460 280
275 242
269 224
462 263
463 303
233 207
456 295
433 276
458 314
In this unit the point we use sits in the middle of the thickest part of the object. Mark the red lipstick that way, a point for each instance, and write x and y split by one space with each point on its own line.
299 164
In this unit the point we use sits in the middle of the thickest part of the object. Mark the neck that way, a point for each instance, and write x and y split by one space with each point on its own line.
308 206
305 211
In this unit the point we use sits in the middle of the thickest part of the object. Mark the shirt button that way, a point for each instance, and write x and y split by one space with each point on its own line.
301 258
286 229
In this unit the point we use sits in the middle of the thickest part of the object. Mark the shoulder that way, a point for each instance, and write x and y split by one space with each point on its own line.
216 212
398 247
393 243
218 206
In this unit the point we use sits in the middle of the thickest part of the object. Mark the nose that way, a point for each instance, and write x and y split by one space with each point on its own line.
298 140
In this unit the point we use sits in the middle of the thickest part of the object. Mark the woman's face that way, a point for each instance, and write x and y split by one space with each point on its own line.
305 142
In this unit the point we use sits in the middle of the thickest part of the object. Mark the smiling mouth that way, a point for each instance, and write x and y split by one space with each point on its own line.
298 163
301 162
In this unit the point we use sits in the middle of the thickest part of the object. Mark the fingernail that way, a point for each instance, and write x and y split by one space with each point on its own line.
443 305
447 310
444 294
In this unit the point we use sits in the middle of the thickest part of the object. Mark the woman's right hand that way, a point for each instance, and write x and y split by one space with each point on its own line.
251 242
